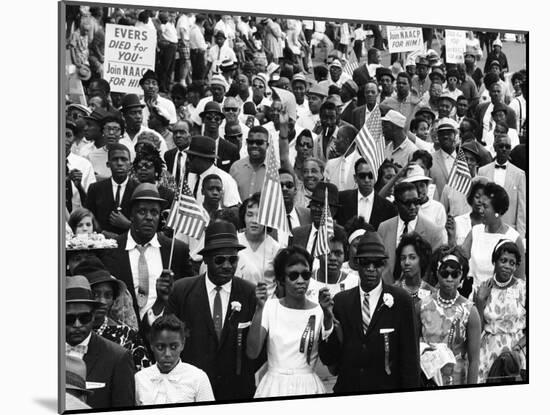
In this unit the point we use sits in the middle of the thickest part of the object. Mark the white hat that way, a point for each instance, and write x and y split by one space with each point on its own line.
336 62
219 80
416 174
395 118
497 42
447 124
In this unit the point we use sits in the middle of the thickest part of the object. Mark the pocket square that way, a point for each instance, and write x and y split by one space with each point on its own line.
226 161
244 325
384 331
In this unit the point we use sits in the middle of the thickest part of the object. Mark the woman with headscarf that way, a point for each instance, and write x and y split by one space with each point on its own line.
501 304
291 327
449 323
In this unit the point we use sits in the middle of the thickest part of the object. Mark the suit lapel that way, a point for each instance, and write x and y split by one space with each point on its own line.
356 312
202 299
92 355
439 160
233 296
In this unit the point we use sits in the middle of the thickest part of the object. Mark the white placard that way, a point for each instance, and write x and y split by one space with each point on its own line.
405 39
129 53
455 45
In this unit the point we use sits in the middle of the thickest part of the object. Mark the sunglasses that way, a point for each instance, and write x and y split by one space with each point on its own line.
84 318
220 259
146 165
288 185
255 142
212 117
410 202
369 175
505 146
230 109
365 262
445 274
293 276
306 145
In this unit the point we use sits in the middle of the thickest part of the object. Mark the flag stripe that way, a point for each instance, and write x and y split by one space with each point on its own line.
370 142
460 178
351 65
186 216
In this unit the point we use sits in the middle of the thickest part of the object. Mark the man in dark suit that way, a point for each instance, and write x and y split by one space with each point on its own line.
376 346
364 201
109 199
142 258
226 152
176 157
408 220
348 93
359 115
107 364
216 308
306 235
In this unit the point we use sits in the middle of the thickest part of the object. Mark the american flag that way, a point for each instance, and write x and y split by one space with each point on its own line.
186 216
351 65
325 232
370 142
272 210
460 178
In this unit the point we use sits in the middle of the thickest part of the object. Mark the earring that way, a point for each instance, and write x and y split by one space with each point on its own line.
496 215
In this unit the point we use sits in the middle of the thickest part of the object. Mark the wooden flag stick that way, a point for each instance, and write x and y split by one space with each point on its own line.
174 235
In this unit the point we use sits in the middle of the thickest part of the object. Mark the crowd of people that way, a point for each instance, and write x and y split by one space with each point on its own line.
424 285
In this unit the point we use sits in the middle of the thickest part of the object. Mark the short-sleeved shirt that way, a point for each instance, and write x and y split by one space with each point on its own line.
249 179
401 154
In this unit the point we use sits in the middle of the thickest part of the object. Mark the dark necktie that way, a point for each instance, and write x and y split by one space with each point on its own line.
196 188
178 169
405 229
218 323
68 189
366 312
117 198
500 166
289 222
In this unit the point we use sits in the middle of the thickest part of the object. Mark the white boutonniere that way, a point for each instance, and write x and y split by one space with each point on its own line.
388 300
235 306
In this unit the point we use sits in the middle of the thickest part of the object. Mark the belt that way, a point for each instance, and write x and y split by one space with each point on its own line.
283 371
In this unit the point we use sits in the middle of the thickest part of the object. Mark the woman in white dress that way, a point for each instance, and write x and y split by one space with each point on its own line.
482 239
256 260
292 326
459 227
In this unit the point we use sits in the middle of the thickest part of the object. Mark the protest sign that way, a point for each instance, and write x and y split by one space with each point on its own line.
455 45
405 39
129 53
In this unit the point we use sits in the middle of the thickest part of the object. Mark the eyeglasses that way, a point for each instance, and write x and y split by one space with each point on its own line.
145 165
505 146
251 142
294 275
220 259
84 318
212 117
231 109
365 262
410 202
366 175
112 129
288 185
445 274
306 145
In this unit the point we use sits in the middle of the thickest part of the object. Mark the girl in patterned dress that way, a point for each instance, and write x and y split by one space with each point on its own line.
501 304
450 320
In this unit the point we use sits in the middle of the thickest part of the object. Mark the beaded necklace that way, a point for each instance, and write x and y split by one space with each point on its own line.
414 294
504 284
446 303
102 328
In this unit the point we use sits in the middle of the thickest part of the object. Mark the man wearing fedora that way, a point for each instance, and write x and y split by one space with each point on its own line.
76 393
201 157
406 221
421 82
92 131
132 111
348 94
108 365
142 257
306 235
217 308
385 79
376 346
226 153
109 199
364 201
218 53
